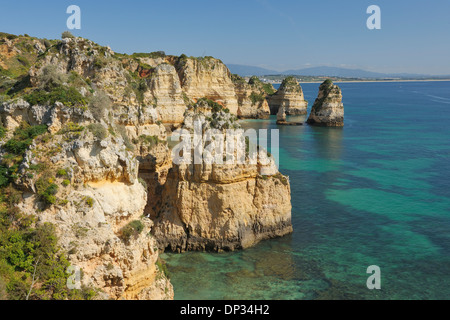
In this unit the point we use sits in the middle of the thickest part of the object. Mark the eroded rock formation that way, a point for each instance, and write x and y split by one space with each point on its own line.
100 168
99 195
251 98
217 207
290 96
328 109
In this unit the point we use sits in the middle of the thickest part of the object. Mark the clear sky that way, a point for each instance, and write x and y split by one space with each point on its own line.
275 34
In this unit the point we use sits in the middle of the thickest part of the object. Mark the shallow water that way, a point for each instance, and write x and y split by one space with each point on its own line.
376 192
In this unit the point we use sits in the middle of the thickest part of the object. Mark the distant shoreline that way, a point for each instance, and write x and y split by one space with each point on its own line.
371 81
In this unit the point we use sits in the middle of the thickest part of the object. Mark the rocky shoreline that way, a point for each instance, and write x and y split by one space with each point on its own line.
100 169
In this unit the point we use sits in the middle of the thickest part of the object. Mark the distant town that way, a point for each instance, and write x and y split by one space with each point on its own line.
277 79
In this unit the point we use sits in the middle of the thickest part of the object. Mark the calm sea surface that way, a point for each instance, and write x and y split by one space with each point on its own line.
376 192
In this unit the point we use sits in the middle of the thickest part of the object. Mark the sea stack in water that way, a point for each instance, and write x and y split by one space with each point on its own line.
328 109
281 115
290 96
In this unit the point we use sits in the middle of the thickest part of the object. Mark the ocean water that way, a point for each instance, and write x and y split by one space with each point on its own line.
376 192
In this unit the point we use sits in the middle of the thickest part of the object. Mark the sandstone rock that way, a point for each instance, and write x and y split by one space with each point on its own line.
290 96
251 98
166 89
328 109
281 115
216 207
185 207
204 215
13 112
207 77
103 196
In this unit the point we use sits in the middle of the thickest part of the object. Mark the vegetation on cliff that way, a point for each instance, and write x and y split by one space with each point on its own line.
32 265
79 125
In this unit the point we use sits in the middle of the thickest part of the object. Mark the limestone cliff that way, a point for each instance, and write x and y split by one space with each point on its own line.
207 78
216 207
290 96
251 97
167 92
83 137
328 109
97 196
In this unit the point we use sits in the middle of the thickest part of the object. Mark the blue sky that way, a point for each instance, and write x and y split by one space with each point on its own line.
280 35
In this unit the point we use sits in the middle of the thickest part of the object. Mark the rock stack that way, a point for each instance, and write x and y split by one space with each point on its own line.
290 96
328 109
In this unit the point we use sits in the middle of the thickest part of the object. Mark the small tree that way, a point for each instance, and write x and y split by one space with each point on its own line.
51 78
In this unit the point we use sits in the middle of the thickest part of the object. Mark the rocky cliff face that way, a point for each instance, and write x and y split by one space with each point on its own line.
328 109
216 207
98 197
204 214
251 98
166 83
290 96
83 136
207 78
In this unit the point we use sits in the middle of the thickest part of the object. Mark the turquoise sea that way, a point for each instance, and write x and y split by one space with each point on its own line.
376 192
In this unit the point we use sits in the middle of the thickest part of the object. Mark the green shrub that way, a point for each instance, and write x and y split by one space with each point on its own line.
65 182
254 80
237 79
4 176
69 96
46 189
100 62
123 133
162 267
8 36
268 88
282 178
67 34
132 229
61 173
98 130
23 137
50 77
256 97
2 132
149 140
71 127
215 107
154 55
89 201
99 105
27 248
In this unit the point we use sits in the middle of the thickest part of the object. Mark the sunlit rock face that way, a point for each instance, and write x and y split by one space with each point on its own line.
328 109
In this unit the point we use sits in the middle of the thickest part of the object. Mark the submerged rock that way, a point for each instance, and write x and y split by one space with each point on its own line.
328 109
